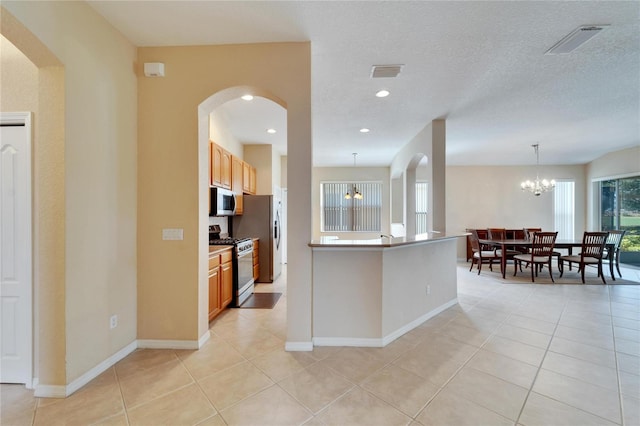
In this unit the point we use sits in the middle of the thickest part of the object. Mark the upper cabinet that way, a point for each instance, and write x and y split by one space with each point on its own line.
249 179
230 172
220 166
237 166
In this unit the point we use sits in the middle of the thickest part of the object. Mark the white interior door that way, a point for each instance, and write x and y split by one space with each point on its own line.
15 249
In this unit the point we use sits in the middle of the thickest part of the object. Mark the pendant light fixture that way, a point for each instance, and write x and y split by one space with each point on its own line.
538 186
356 194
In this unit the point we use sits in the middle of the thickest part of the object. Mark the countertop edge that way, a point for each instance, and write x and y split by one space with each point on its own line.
383 242
216 249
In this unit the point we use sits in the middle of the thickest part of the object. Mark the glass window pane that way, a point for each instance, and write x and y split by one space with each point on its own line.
620 209
628 197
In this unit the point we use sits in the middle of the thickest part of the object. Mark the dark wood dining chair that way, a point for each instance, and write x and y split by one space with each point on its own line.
612 256
498 234
528 232
541 253
593 247
480 256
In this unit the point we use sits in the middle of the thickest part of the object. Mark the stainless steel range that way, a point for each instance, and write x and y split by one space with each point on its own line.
242 265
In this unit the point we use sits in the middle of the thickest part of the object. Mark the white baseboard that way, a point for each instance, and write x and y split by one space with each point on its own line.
205 337
298 346
100 368
383 341
169 344
62 391
413 324
348 341
50 391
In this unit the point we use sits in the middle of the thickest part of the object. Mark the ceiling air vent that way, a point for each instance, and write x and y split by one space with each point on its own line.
577 38
385 71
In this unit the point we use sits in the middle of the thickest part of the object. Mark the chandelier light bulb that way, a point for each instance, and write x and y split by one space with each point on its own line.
538 186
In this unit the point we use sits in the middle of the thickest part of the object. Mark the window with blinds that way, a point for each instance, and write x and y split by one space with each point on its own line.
563 209
351 215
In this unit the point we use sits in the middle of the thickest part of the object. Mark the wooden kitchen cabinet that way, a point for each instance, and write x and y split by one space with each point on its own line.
249 179
215 305
256 260
237 170
220 281
220 166
226 278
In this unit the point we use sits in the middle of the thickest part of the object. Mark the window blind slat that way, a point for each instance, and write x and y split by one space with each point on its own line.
342 215
422 202
563 212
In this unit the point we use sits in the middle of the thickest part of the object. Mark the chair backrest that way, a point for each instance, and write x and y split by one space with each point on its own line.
497 233
593 244
473 239
542 243
528 232
615 238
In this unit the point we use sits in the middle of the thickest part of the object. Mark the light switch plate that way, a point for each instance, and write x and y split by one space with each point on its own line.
172 234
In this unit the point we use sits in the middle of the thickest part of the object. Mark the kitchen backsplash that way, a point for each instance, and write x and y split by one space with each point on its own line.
222 221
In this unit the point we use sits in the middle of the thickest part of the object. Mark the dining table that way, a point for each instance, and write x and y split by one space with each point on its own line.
505 244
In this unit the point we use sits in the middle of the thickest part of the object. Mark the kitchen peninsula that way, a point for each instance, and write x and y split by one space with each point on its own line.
370 292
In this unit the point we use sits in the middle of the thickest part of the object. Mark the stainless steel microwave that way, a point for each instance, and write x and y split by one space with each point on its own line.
222 202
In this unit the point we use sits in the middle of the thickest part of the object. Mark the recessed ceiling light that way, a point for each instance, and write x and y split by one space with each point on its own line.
364 130
382 93
271 131
248 97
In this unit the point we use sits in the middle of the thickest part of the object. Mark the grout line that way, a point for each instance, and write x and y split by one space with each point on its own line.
124 405
615 355
535 377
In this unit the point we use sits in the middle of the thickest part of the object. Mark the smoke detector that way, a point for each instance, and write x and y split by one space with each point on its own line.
385 71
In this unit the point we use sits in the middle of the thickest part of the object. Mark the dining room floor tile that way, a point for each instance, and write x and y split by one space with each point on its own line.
509 353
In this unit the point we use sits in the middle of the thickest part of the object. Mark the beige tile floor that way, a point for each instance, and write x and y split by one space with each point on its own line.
510 353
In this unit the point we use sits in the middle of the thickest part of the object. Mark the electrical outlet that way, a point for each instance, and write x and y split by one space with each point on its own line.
428 290
113 321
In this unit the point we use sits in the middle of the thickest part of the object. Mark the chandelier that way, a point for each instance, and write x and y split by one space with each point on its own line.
356 194
538 186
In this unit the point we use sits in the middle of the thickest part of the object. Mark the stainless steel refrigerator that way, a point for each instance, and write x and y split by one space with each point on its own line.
262 218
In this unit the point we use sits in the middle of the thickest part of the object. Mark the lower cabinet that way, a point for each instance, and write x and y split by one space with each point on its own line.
256 260
220 281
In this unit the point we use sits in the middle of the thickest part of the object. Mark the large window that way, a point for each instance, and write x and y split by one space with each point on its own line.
422 202
563 209
340 214
620 209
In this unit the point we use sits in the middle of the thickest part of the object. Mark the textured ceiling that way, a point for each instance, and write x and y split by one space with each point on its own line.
479 65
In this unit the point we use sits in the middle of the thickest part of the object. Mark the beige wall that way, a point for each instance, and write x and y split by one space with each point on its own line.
261 157
219 133
283 171
351 174
25 87
623 163
172 171
490 196
93 233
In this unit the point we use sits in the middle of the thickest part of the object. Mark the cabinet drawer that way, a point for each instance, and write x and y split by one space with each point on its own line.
225 256
214 261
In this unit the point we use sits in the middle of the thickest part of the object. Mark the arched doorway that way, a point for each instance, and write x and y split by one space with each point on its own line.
209 123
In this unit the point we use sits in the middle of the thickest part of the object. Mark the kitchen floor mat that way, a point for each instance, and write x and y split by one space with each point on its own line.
261 301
